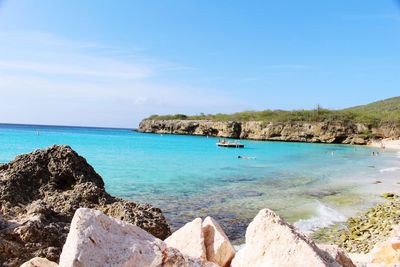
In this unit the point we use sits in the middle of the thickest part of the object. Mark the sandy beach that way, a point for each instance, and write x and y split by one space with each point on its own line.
387 143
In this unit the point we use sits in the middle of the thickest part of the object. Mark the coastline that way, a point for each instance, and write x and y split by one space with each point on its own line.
332 132
359 233
388 143
340 192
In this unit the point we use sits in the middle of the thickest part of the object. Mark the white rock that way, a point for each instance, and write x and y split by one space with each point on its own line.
339 255
270 241
189 240
98 240
218 247
39 262
173 258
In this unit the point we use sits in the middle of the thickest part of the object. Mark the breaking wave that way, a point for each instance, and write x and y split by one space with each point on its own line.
391 169
325 217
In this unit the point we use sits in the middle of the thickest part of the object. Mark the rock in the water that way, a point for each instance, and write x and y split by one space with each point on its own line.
218 247
270 241
96 240
39 194
338 254
189 240
39 262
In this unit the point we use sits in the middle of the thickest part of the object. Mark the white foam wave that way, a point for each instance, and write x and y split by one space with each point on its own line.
398 154
325 217
391 169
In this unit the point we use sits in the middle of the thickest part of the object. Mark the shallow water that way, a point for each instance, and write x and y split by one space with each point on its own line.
188 176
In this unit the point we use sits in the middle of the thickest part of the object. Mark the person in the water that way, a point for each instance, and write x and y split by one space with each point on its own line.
245 157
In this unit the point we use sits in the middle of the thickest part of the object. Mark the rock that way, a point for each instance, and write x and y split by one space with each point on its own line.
270 241
361 233
301 131
173 258
338 254
189 240
387 252
39 194
218 247
98 240
39 262
388 195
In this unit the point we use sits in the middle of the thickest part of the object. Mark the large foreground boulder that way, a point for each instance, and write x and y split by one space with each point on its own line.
96 240
39 194
270 241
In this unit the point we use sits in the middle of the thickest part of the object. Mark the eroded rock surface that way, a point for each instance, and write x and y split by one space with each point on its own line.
218 247
270 241
318 132
39 194
39 262
338 254
189 240
97 240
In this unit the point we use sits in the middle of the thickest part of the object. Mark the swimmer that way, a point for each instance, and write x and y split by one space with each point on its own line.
245 157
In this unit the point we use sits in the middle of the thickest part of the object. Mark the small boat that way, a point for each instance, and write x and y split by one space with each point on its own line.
230 144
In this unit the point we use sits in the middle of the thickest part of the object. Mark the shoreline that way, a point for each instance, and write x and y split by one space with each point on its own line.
387 143
334 132
360 233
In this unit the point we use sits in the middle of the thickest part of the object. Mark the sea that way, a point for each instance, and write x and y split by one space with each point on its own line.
310 185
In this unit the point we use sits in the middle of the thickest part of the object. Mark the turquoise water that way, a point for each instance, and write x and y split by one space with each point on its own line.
188 176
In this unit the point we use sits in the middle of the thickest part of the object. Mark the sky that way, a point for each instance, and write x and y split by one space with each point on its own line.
113 63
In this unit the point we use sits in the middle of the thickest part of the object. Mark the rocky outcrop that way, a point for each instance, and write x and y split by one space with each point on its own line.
270 241
98 240
316 132
39 194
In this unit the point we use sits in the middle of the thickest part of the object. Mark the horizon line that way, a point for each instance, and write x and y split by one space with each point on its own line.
68 126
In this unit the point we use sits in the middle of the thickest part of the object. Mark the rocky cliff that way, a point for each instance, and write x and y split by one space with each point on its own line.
316 132
39 194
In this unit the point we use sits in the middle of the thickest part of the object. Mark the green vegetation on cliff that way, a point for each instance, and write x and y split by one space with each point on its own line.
377 112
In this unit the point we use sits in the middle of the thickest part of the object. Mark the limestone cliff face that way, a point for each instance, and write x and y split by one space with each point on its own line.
316 132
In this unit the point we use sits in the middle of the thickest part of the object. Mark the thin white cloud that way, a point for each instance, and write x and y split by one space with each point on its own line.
364 17
105 70
50 80
290 67
45 54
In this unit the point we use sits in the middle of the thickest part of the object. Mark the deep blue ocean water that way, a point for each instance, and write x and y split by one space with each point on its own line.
189 176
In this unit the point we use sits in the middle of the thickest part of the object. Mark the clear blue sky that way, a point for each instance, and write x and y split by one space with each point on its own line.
111 63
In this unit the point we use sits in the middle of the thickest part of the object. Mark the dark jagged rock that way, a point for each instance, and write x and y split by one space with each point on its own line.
39 193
